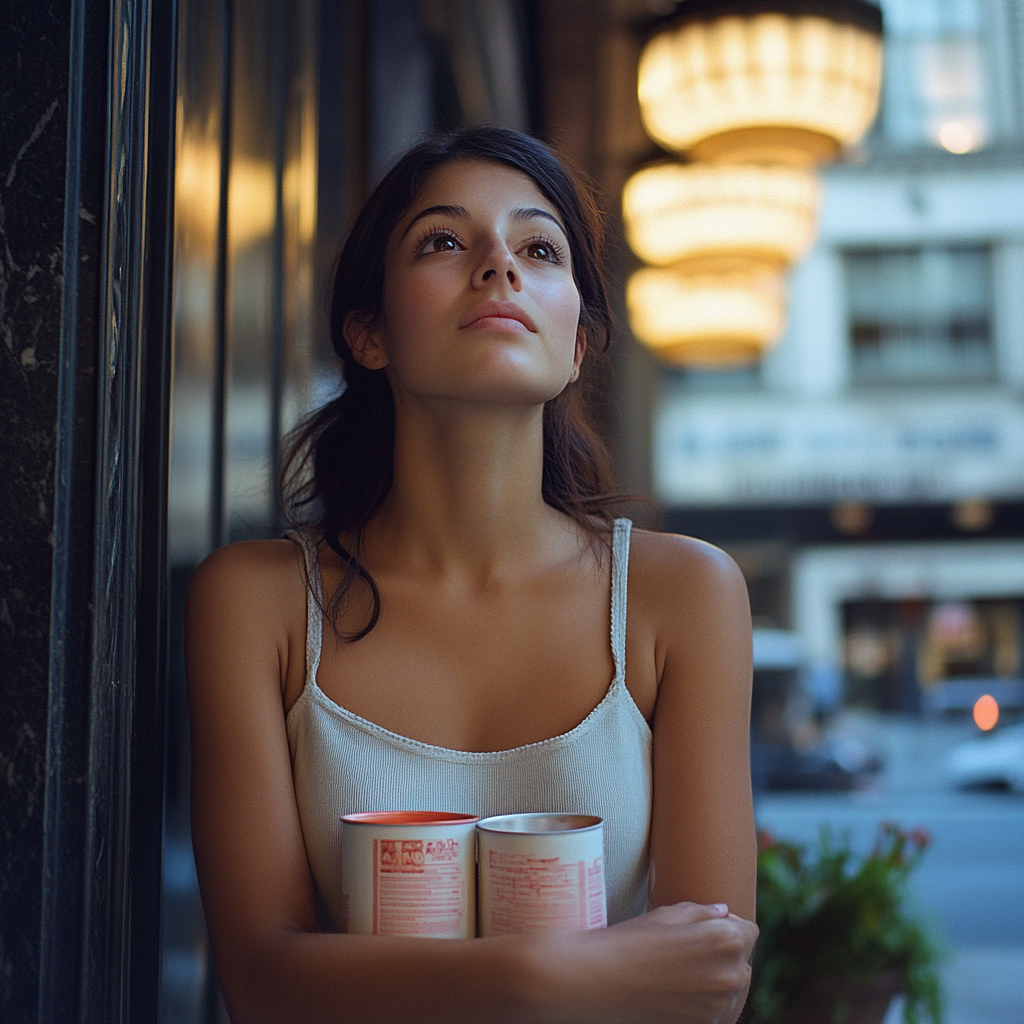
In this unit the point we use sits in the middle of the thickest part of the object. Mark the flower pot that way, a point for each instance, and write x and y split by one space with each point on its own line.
867 1001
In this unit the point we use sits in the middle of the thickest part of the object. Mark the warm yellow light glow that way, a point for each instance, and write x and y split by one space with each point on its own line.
986 712
251 200
713 217
764 89
299 185
252 207
197 186
705 320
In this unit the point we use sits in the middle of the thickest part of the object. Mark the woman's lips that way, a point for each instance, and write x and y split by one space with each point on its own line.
495 315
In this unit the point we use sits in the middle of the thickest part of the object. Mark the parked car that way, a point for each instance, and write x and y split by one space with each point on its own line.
789 748
995 760
778 767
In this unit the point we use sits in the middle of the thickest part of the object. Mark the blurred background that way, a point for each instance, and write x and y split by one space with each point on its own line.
856 443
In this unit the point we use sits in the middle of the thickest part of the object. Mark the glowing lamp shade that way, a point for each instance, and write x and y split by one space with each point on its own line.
706 217
705 320
764 88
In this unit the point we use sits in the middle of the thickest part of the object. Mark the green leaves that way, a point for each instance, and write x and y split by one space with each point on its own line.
832 914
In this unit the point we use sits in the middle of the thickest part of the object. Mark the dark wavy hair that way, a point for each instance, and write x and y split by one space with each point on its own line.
338 462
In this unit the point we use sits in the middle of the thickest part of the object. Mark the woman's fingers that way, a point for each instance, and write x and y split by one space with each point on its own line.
686 962
736 931
685 913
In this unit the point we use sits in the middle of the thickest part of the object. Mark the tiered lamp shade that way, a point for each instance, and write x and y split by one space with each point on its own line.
744 81
714 320
720 218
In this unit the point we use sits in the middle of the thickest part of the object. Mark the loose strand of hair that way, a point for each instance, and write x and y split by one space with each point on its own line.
313 486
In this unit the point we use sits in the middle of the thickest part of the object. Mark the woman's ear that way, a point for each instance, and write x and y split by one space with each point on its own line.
581 351
363 341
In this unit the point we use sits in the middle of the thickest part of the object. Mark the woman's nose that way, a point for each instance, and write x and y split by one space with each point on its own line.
496 262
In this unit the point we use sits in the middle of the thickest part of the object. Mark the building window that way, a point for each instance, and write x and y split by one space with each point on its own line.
937 90
916 655
920 315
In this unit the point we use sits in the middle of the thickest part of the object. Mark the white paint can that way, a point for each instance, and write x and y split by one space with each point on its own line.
409 873
541 872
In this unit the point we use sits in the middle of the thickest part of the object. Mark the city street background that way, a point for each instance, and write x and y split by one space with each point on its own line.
970 881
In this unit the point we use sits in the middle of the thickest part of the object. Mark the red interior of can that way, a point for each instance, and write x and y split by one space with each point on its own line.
409 818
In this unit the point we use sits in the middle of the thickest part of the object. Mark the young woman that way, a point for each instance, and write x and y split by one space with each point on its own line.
436 635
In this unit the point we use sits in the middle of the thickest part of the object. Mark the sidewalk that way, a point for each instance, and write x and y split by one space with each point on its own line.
983 985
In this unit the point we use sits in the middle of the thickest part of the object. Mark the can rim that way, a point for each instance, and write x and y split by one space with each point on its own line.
585 823
391 818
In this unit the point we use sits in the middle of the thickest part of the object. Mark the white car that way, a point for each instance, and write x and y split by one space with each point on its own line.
989 760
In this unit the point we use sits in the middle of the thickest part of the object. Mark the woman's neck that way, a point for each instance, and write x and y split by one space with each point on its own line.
466 497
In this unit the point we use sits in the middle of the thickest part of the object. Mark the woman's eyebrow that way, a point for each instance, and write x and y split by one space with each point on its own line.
461 213
434 211
529 212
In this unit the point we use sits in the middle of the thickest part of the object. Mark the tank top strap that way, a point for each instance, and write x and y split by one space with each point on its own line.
314 596
620 575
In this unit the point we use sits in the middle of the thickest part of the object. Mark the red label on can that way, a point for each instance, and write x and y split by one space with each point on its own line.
530 893
417 887
401 855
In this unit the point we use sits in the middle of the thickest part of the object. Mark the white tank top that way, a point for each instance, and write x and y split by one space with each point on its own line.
342 763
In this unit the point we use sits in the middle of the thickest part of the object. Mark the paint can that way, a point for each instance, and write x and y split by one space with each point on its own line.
541 872
409 873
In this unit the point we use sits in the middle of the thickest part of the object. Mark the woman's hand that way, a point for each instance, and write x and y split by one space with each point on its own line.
698 959
686 963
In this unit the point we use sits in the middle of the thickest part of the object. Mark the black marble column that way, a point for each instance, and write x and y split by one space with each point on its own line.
82 380
48 324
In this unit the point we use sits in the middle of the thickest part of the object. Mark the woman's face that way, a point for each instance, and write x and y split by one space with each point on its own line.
480 304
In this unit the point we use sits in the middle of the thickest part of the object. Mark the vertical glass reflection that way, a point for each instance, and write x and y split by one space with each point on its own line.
252 214
197 209
200 125
245 218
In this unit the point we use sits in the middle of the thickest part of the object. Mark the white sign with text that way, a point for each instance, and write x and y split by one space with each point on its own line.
761 449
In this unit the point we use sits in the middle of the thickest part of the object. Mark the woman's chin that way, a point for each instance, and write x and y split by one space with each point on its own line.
495 395
498 379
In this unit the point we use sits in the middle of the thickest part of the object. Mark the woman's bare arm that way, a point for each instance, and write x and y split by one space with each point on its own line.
691 600
246 630
703 844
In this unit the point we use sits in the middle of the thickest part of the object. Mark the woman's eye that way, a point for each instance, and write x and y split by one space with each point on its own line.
441 243
544 251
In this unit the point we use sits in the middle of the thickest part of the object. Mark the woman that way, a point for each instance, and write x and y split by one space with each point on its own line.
457 542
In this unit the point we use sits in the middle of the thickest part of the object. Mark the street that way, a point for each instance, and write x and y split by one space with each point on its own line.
970 882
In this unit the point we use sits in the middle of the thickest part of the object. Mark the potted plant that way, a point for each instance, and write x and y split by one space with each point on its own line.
837 940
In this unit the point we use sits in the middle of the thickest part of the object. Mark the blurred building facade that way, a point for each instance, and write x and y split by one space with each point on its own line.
869 474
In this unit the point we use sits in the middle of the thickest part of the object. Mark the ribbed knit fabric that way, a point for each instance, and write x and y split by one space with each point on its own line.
342 763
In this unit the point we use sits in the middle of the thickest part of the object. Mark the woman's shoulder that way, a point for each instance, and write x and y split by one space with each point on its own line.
254 575
671 563
246 619
688 610
689 603
252 557
677 583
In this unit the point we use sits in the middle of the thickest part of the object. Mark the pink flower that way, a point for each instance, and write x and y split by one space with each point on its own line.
920 837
